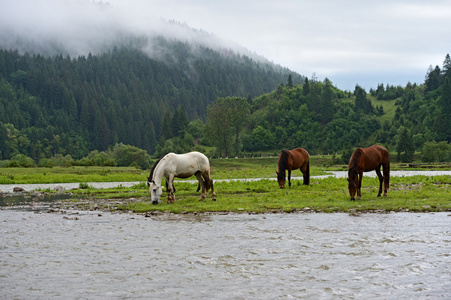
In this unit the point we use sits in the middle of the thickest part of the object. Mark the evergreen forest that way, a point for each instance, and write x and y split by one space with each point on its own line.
222 103
72 106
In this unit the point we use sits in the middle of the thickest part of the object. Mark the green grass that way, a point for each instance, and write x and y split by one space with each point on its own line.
70 174
415 194
418 193
389 108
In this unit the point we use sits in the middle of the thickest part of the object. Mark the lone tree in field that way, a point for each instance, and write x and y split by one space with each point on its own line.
226 119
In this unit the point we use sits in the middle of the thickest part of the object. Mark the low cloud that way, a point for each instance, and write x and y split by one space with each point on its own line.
80 27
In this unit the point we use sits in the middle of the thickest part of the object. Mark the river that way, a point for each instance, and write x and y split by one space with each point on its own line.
87 255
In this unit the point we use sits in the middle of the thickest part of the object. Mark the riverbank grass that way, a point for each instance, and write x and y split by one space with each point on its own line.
415 194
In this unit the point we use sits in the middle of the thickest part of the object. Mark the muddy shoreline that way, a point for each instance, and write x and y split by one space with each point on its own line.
70 206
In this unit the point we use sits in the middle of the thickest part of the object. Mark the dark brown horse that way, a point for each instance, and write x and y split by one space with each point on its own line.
365 160
291 160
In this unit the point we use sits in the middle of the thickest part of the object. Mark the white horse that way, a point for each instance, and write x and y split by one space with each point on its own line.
182 166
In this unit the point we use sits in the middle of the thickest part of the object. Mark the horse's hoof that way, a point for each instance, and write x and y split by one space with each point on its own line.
378 195
214 199
385 195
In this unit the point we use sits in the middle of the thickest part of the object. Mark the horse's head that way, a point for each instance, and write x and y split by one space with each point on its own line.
281 179
155 191
352 185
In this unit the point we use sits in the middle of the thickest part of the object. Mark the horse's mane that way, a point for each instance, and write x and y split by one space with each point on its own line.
355 158
283 160
153 168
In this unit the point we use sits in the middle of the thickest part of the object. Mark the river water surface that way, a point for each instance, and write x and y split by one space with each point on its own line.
87 255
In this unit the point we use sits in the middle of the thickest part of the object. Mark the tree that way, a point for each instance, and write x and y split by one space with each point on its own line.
404 146
306 87
361 102
327 102
290 81
218 128
446 69
433 151
432 80
226 118
443 120
179 122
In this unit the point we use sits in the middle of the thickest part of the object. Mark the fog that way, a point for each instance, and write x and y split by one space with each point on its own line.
80 27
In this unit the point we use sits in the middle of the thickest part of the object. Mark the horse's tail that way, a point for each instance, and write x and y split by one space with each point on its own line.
207 182
307 174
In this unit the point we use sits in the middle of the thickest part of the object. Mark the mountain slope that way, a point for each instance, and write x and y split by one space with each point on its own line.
72 105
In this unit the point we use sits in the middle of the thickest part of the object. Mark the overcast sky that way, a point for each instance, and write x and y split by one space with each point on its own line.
350 42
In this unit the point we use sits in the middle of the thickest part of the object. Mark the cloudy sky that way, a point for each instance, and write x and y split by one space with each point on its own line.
350 42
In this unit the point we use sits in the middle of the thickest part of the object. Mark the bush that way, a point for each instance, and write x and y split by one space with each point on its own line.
436 152
126 155
21 160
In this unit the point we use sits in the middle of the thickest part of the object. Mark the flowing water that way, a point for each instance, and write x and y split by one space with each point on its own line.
87 255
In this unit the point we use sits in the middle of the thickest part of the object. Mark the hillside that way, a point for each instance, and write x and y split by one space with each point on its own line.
73 105
194 97
323 119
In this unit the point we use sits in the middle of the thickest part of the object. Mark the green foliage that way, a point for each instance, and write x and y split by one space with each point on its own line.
72 111
436 152
126 155
63 105
404 147
20 160
226 119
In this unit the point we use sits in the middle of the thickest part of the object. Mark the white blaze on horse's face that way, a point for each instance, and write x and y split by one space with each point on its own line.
155 191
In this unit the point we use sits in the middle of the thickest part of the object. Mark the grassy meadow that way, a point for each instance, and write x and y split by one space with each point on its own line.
414 194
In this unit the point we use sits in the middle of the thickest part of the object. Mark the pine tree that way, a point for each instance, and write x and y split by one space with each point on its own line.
327 102
404 146
306 87
432 80
446 69
290 81
443 120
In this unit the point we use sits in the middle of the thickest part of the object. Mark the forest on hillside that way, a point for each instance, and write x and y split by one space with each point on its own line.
96 108
72 106
324 120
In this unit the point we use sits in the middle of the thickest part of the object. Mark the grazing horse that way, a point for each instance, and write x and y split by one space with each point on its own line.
365 160
182 166
291 160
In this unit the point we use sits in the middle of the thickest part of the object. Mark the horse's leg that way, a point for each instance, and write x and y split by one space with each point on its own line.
359 186
170 187
213 194
289 177
386 170
173 186
209 184
305 169
202 183
381 178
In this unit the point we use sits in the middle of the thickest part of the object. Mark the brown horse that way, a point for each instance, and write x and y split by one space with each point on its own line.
365 160
291 160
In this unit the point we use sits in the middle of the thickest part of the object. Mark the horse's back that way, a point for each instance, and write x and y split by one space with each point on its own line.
299 157
301 154
192 160
375 156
